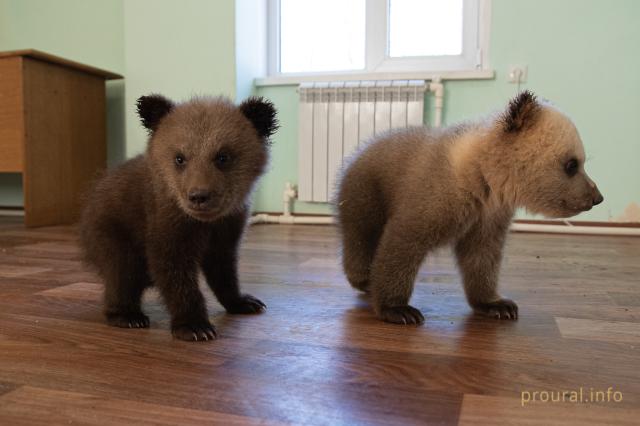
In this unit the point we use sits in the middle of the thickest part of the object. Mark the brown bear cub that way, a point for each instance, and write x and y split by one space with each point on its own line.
411 191
180 207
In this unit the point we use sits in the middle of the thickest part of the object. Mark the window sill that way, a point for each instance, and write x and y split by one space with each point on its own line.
295 79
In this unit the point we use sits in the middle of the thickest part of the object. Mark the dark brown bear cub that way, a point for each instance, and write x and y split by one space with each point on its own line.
180 207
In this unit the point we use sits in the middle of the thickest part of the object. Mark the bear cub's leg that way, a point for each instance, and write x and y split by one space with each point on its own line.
220 267
479 254
174 271
125 273
393 272
360 239
123 292
360 232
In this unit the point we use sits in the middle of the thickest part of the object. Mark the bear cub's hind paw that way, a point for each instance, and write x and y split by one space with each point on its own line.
245 304
128 320
401 315
200 331
500 309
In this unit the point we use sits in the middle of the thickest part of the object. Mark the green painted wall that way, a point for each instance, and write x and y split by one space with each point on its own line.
87 31
178 49
582 55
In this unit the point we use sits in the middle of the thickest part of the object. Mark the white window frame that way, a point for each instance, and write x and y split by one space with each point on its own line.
471 64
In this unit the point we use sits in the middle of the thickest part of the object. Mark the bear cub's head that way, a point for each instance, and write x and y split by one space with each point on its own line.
543 154
207 152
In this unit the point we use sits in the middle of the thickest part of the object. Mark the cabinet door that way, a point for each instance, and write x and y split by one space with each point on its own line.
11 115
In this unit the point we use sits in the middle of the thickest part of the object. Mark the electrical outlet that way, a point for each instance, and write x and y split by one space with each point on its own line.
517 74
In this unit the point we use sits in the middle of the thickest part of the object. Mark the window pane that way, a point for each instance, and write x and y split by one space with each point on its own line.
425 27
321 35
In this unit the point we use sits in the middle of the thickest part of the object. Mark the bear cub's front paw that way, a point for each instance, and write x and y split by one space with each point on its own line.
194 331
500 309
127 319
401 315
245 304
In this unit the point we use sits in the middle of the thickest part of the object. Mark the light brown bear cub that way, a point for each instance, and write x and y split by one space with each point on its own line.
411 191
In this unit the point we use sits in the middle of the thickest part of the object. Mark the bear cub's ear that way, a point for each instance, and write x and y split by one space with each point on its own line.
520 112
152 109
262 115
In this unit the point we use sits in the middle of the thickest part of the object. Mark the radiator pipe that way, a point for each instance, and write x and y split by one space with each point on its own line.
289 194
575 229
515 227
437 88
286 217
291 220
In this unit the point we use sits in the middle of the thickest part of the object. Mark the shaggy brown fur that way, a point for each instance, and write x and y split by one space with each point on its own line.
179 207
411 191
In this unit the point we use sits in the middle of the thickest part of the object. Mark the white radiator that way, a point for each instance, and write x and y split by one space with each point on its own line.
335 118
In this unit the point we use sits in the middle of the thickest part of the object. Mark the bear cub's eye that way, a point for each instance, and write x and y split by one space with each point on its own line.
222 160
571 167
180 160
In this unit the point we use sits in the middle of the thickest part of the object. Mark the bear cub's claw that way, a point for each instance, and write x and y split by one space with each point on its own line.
500 309
401 315
245 304
195 332
128 320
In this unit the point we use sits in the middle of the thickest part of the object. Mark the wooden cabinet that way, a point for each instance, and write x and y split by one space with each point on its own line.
52 131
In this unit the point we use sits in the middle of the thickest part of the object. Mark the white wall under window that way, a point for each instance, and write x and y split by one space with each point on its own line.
376 39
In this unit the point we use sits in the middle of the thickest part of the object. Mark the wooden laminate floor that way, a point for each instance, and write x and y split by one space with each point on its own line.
318 356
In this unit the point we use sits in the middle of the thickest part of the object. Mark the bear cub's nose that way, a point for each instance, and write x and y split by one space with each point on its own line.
597 198
199 196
